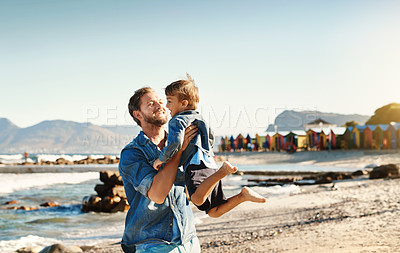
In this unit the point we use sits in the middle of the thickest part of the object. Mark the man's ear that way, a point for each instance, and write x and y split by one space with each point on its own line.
137 115
185 103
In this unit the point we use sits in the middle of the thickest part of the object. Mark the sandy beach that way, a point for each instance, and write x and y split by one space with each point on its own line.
350 216
356 216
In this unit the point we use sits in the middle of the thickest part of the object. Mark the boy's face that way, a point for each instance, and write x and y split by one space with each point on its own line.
174 105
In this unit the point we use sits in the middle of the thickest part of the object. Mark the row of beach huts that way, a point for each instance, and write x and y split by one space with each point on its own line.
382 136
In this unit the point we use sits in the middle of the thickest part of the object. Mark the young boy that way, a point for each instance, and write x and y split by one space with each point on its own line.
201 174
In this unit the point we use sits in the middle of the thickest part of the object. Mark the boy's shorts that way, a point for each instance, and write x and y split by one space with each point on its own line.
194 176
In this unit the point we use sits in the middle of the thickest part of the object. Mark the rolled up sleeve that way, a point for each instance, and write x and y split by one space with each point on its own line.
176 134
135 169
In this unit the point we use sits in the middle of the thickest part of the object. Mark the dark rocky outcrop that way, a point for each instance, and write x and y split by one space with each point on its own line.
274 181
330 176
317 178
49 204
360 173
11 202
89 160
385 171
110 196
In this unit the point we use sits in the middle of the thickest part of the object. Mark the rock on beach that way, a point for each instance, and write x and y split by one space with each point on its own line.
110 196
385 171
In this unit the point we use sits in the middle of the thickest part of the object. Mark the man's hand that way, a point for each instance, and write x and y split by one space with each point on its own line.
157 164
190 133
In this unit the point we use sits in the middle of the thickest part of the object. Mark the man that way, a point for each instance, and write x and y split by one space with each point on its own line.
160 218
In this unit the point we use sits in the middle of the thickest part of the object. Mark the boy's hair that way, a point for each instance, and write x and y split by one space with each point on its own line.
185 90
134 101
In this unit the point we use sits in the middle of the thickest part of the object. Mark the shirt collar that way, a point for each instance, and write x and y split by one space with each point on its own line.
142 139
189 112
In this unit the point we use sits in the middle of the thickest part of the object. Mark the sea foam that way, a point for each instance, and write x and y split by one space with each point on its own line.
14 182
26 241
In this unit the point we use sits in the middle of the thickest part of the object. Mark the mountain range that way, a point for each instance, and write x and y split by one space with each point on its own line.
60 136
294 120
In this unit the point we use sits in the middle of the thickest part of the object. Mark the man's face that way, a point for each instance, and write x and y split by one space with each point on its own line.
152 109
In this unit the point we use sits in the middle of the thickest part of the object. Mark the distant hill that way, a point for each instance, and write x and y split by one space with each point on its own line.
59 136
294 120
7 130
386 114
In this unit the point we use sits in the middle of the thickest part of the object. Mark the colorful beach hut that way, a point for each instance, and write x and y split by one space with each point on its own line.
368 136
290 141
395 134
227 144
257 141
380 136
324 136
392 134
232 143
397 126
247 143
239 142
301 138
357 136
222 146
336 137
348 142
278 141
295 140
313 138
268 141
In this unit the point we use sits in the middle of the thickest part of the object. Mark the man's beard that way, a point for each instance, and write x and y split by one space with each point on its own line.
156 122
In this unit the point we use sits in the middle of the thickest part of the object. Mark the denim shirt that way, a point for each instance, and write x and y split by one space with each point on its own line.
176 131
146 221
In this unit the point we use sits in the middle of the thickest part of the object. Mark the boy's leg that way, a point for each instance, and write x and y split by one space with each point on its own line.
206 187
246 194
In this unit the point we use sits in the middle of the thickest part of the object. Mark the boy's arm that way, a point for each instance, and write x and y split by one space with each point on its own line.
176 133
164 179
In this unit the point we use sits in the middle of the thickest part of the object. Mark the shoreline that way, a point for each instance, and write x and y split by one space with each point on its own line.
4 168
335 158
355 159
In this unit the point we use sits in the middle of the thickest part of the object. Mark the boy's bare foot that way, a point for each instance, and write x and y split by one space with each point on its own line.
249 195
227 169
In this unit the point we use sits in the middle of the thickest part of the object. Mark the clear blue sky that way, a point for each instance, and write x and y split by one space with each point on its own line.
82 60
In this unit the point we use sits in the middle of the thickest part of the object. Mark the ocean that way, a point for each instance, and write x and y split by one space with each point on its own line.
66 223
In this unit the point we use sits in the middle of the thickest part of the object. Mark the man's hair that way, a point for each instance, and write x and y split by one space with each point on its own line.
134 101
185 90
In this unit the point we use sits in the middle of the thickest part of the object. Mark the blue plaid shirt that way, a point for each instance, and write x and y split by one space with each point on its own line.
148 223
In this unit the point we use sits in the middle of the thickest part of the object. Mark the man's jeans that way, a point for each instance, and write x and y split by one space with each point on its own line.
192 246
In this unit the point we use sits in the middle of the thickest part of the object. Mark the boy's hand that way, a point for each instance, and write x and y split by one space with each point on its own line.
157 164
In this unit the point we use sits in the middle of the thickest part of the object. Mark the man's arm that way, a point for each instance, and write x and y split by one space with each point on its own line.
164 179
